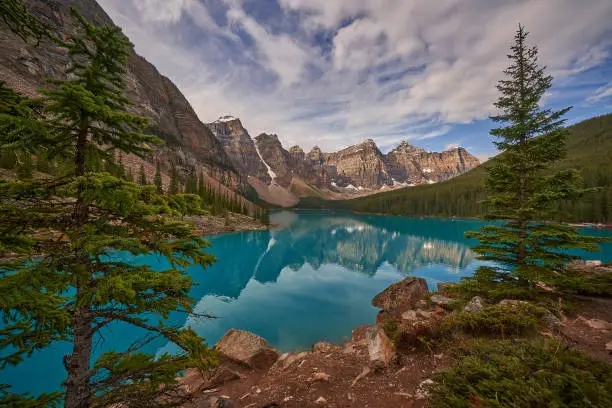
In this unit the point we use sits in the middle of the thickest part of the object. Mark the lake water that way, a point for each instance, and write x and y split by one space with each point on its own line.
311 279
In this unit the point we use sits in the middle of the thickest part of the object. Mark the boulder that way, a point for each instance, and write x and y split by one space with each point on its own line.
475 305
443 301
401 296
380 349
247 348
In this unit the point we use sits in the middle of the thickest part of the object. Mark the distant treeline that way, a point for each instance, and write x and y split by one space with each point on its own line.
589 149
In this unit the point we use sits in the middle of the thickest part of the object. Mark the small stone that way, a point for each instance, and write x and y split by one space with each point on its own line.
404 395
609 346
287 399
322 377
380 348
321 401
365 372
475 305
225 402
410 315
421 392
598 324
440 300
552 321
593 263
424 313
438 356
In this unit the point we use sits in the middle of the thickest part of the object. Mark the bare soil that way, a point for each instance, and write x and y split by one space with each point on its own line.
336 377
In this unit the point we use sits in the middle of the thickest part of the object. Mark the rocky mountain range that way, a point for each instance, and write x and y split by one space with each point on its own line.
233 162
281 176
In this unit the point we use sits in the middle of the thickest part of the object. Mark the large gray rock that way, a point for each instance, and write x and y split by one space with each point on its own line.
401 296
475 305
247 348
380 349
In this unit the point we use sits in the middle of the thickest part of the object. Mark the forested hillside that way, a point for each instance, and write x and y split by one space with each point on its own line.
589 148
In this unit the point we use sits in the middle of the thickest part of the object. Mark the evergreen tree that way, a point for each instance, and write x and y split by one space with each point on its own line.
159 188
191 187
175 186
67 283
8 159
15 15
520 191
142 176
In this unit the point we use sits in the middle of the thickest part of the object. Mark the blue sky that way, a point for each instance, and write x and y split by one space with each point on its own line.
335 72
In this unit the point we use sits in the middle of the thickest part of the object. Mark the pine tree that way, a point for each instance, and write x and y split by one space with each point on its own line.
15 15
159 188
67 283
520 191
142 176
175 186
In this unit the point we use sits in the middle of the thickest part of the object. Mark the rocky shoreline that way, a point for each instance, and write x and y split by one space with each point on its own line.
215 225
380 366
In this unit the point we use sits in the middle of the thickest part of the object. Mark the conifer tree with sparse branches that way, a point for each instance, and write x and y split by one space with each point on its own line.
521 189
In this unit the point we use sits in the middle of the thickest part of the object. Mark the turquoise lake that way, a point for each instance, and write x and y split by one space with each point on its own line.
309 280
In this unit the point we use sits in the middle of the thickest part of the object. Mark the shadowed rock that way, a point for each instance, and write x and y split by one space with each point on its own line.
247 348
401 296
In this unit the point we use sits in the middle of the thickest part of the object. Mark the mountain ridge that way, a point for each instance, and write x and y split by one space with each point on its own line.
356 170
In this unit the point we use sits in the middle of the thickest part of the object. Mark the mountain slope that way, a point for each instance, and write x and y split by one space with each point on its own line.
589 148
189 143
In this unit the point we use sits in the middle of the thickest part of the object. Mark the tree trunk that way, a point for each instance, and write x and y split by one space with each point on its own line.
77 384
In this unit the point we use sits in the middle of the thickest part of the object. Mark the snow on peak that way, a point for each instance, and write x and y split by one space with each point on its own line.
227 118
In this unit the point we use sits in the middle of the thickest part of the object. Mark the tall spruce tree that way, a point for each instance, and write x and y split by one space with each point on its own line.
142 176
157 180
66 281
521 189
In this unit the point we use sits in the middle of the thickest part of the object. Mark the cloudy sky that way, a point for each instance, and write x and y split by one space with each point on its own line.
335 72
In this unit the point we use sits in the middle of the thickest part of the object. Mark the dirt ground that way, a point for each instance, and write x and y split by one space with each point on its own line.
589 328
334 377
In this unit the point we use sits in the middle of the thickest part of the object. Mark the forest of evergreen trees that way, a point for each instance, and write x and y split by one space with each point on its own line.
589 147
179 189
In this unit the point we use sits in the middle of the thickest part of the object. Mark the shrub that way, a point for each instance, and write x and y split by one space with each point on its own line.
522 374
510 320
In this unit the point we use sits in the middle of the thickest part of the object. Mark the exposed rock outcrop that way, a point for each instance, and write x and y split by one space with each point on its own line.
240 147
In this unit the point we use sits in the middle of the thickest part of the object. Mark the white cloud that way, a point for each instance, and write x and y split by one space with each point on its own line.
392 69
601 93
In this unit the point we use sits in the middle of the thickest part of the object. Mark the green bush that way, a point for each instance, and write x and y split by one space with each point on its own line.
509 320
522 374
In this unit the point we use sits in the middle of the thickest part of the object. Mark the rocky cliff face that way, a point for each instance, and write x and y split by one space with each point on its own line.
413 165
189 143
363 165
240 147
